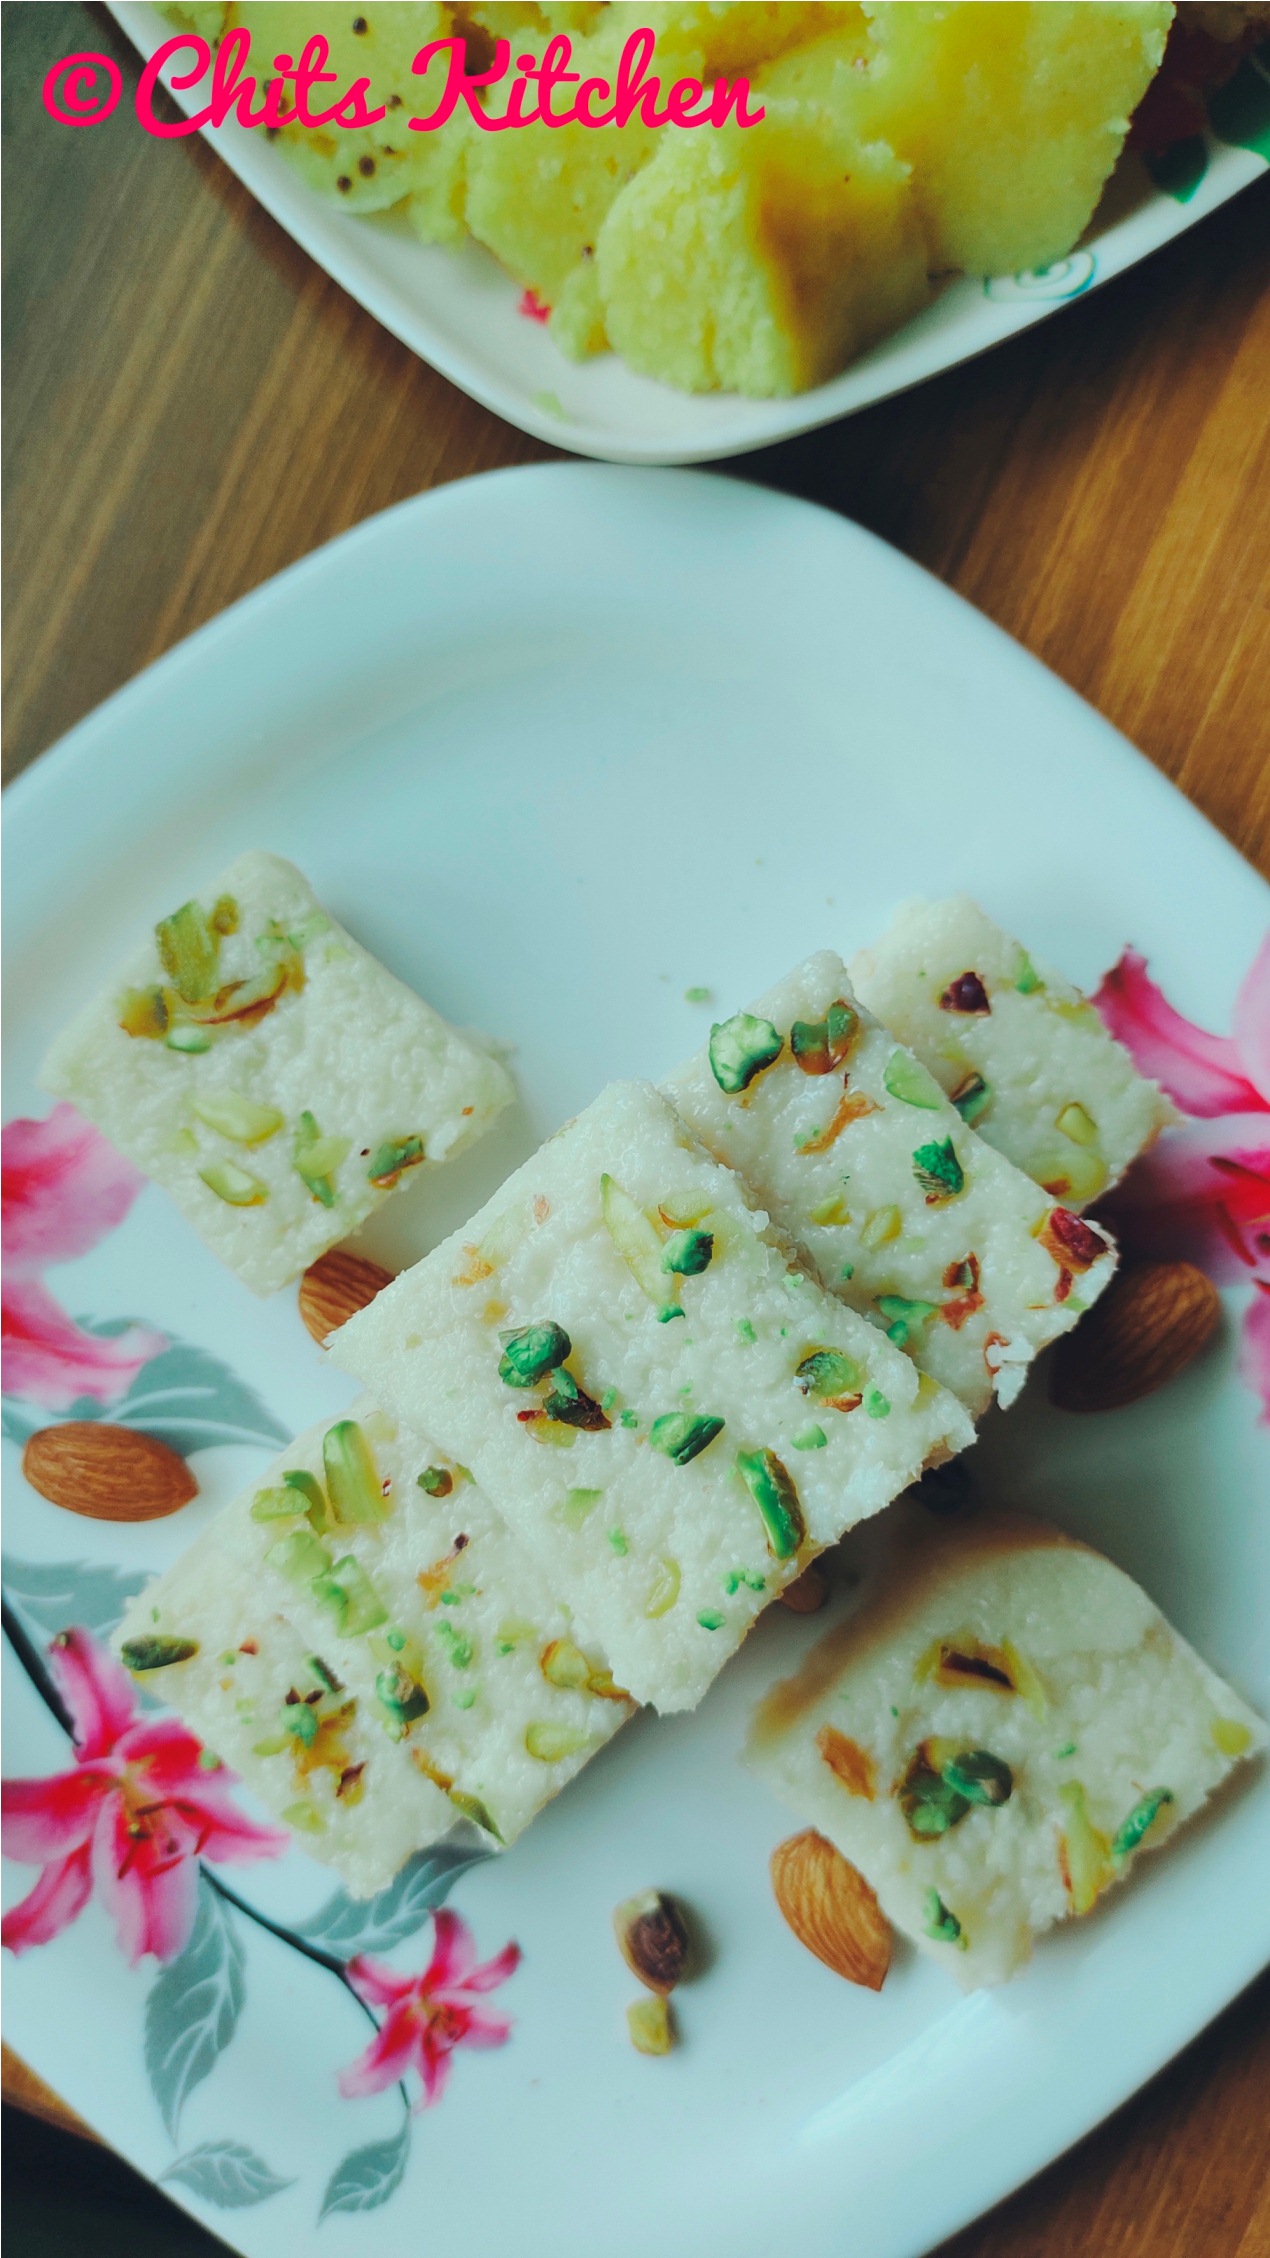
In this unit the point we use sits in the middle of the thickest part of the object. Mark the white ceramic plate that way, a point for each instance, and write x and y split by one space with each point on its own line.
458 309
560 744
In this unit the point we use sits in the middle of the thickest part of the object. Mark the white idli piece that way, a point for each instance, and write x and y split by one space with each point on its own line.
857 1154
672 1416
207 1638
1020 1051
388 1559
995 1734
270 1074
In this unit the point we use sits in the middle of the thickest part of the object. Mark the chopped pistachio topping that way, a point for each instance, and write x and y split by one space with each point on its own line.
1076 1123
186 1037
877 1406
651 2024
389 1161
1085 1851
1026 978
696 995
811 1438
639 1242
236 1117
143 1012
153 1653
620 1542
938 1171
880 1226
305 1818
189 951
458 1646
577 1506
740 1048
571 1405
551 1743
710 1619
1068 1749
818 1045
471 1807
980 1776
224 917
831 1377
308 1496
348 1593
830 1212
749 1577
681 1436
745 1331
281 1504
664 1589
628 1418
939 1923
352 1477
930 1803
315 1158
904 1318
688 1253
971 1097
771 1486
564 1664
907 1079
1230 1736
1143 1815
401 1698
233 1184
531 1353
299 1556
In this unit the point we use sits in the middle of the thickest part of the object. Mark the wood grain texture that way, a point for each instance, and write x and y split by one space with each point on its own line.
192 405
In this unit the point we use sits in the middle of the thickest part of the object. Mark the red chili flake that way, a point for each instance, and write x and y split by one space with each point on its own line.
965 994
1072 1242
532 307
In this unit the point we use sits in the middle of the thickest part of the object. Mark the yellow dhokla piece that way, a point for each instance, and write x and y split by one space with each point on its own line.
1011 116
737 35
369 168
761 259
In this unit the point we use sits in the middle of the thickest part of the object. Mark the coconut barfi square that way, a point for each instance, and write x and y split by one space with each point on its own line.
856 1152
210 1640
386 1556
996 1734
671 1414
269 1073
1022 1053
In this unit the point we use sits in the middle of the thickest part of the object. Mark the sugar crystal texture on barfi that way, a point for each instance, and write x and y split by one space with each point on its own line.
856 1152
431 1612
672 1415
270 1074
1021 1052
210 1640
995 1735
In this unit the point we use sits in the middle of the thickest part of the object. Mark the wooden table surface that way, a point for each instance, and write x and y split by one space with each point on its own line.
192 405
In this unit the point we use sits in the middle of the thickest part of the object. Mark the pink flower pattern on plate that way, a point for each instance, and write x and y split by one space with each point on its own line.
428 2015
62 1188
1204 1189
143 1804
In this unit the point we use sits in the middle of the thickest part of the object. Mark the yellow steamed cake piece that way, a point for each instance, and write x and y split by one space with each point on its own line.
738 35
1011 116
761 260
367 169
206 17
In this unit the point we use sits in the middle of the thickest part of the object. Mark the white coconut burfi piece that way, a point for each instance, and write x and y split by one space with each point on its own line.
672 1416
995 1734
270 1073
910 1217
388 1559
1020 1051
208 1638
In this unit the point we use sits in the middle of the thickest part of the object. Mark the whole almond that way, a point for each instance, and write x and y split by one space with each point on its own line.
807 1593
335 1287
831 1909
107 1473
1140 1334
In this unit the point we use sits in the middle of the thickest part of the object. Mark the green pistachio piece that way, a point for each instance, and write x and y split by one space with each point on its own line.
155 1653
189 951
307 1487
304 1817
688 1253
143 1012
224 917
938 1171
571 1405
638 1241
710 1619
818 1045
880 1226
531 1353
876 1404
389 1161
300 1722
564 1664
401 1698
348 1593
771 1486
352 1477
436 1481
299 1556
281 1504
740 1048
1075 1123
551 1743
1026 978
324 1674
907 1079
238 1118
831 1378
233 1184
980 1776
578 1506
904 1318
972 1097
315 1158
471 1807
185 1036
930 1803
664 1589
681 1436
939 1923
811 1438
1143 1815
